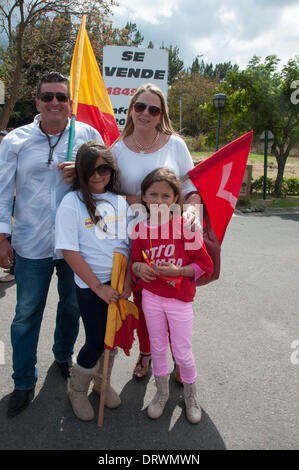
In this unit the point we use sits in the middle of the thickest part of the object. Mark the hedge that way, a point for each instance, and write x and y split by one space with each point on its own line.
290 186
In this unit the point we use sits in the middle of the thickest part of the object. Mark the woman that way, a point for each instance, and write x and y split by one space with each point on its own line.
147 142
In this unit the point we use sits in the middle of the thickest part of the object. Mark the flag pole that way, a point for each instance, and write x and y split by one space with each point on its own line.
77 71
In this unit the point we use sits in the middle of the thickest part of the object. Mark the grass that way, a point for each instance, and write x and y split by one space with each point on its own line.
256 200
257 161
252 158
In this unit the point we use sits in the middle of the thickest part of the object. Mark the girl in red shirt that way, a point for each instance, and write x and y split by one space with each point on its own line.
167 259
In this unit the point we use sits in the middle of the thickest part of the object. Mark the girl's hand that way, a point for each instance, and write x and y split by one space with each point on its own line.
106 293
128 286
68 171
168 269
144 272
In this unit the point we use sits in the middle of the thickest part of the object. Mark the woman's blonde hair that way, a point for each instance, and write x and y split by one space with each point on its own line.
164 126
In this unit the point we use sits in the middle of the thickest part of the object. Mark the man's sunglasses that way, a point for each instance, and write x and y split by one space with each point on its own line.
139 107
48 96
103 170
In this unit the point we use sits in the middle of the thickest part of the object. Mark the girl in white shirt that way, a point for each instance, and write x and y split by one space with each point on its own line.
91 224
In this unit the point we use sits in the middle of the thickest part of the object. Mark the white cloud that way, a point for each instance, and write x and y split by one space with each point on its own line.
153 12
233 31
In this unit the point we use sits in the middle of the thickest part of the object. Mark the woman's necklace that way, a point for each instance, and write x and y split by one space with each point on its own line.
142 148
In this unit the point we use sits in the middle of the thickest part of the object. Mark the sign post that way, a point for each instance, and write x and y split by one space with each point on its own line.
127 68
266 137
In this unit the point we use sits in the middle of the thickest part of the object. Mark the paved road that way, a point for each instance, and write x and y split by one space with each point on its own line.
245 324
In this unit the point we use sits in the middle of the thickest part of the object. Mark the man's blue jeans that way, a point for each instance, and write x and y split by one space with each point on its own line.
33 277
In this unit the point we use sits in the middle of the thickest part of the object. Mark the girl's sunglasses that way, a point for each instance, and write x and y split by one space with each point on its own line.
48 96
139 107
103 170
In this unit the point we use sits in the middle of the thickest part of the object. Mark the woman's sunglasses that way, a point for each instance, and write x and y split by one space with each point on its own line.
139 107
103 170
48 96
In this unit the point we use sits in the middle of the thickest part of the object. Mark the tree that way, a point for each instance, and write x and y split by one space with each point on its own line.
196 91
260 98
175 64
219 71
137 40
37 29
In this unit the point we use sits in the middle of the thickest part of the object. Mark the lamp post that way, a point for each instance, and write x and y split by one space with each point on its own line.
219 101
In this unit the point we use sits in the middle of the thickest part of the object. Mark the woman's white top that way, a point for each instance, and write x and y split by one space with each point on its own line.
134 167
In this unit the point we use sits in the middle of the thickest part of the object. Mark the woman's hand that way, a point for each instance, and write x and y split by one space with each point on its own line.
144 272
68 171
106 293
191 219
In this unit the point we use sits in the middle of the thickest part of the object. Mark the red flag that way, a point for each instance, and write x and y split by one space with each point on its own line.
218 180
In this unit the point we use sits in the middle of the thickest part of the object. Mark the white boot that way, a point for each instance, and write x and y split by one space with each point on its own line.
157 405
112 399
193 410
77 389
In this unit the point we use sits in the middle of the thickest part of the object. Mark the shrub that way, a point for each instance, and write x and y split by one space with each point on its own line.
290 186
196 144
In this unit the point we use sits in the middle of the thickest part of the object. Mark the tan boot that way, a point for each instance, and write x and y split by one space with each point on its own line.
112 399
77 389
157 405
193 410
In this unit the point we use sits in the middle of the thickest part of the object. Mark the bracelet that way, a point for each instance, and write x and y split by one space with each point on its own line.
99 286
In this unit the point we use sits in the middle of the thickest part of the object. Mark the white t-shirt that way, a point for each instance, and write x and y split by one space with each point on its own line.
134 167
74 230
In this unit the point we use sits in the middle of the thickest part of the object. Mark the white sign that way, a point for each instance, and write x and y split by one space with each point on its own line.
127 68
270 136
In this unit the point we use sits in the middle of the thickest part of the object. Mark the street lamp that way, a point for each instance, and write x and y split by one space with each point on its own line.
219 101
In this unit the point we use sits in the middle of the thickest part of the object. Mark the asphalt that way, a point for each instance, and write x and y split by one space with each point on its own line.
246 345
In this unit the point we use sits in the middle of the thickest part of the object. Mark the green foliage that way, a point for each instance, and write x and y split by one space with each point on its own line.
219 71
175 64
259 98
290 186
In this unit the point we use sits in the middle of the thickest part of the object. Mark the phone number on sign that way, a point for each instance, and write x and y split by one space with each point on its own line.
121 91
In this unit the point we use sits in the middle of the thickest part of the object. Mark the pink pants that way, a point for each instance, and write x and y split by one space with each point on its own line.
166 316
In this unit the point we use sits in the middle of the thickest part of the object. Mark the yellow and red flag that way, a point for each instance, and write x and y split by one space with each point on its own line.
91 102
122 316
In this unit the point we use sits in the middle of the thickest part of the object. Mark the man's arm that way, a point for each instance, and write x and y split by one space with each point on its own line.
8 163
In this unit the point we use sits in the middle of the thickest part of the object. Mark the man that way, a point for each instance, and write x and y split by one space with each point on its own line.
33 162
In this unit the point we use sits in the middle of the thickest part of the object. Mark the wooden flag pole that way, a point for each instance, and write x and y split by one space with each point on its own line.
103 388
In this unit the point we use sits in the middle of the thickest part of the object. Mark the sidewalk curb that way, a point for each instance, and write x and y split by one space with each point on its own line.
267 210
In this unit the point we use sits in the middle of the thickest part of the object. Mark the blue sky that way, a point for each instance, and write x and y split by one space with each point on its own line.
233 30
